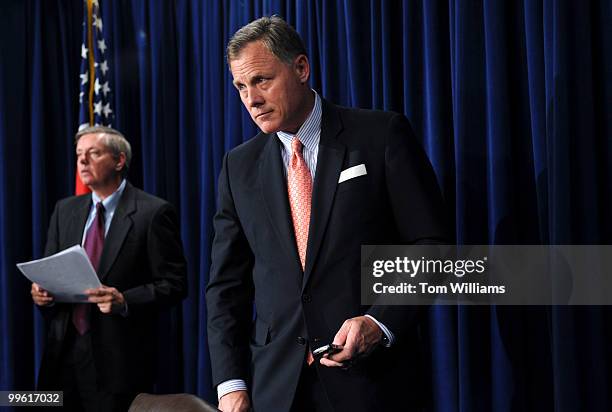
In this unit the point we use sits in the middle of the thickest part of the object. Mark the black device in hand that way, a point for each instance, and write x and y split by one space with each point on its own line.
326 350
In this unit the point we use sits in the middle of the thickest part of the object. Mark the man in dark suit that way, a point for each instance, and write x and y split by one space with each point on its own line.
101 353
296 202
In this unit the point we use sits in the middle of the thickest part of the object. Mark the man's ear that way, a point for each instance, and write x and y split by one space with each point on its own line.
301 65
120 162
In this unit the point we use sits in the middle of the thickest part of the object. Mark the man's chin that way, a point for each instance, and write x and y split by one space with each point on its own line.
268 127
86 180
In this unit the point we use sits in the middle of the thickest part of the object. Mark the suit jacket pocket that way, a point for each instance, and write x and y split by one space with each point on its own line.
359 183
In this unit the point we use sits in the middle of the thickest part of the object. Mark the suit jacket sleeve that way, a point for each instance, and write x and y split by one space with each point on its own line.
51 247
419 216
168 268
229 294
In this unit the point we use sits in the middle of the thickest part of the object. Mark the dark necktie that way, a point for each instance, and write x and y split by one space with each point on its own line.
94 243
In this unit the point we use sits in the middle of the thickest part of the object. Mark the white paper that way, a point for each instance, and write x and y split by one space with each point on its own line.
64 275
352 172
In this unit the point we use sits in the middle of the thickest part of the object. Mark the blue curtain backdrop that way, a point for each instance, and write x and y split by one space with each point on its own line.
511 100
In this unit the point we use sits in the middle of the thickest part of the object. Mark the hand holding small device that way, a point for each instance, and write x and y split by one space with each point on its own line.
357 337
326 350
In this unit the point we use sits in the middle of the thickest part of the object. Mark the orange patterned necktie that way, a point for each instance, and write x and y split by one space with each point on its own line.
299 185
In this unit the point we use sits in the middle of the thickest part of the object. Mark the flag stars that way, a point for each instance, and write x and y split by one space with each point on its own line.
97 22
107 110
104 67
105 88
102 46
94 84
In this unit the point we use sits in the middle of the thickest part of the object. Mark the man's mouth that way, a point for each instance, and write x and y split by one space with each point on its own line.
262 114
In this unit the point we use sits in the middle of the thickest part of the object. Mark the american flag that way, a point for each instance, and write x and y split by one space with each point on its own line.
95 95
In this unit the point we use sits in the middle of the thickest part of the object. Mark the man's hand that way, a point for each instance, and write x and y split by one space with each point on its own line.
40 296
109 300
237 401
358 336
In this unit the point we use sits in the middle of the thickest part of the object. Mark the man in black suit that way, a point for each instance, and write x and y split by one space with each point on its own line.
296 202
101 353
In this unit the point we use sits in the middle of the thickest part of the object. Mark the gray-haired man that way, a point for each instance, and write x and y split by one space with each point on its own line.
101 354
295 204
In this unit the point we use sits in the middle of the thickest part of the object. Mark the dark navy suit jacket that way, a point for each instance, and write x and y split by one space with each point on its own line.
255 259
143 258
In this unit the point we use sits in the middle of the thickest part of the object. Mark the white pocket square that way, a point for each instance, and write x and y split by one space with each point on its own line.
352 172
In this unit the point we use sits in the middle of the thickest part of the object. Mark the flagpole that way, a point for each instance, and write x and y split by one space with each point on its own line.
95 94
90 54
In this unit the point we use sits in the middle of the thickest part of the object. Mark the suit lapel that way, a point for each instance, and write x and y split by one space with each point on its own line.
329 165
78 220
118 230
272 178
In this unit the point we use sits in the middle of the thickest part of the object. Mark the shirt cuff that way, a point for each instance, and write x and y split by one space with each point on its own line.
388 334
231 385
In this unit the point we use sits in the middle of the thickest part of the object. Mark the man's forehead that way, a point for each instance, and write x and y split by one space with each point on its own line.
251 49
91 139
252 59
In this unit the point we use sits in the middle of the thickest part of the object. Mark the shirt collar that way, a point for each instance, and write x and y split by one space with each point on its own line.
110 203
310 132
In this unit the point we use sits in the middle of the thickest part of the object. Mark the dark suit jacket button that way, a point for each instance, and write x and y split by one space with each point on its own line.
306 298
301 340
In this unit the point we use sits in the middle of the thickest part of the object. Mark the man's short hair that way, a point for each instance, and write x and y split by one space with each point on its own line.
113 139
275 33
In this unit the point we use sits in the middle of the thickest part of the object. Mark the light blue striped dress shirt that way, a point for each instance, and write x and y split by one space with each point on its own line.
309 134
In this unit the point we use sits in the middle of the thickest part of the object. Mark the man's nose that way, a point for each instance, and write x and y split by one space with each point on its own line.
254 98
